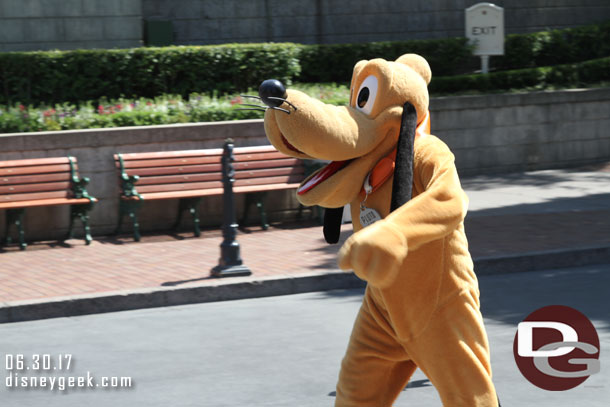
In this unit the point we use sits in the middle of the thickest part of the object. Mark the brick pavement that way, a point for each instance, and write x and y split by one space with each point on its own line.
51 269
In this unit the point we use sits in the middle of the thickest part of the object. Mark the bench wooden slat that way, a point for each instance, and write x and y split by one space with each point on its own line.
176 179
186 169
34 179
256 188
44 202
189 186
42 187
254 149
216 176
35 196
190 169
169 162
281 180
34 169
169 154
213 191
34 161
194 153
271 172
182 194
258 156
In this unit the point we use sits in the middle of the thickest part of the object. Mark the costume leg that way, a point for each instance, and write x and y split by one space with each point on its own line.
375 368
453 352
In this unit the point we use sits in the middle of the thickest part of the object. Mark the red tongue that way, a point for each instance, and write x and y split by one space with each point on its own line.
321 176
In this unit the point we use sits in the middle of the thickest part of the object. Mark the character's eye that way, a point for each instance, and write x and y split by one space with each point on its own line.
367 94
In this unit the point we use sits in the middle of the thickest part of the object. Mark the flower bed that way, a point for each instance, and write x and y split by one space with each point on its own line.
143 112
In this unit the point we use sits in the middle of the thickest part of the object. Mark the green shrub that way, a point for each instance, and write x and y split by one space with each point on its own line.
91 75
579 74
335 62
75 76
555 47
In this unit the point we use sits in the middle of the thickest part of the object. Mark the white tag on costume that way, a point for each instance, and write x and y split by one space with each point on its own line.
368 216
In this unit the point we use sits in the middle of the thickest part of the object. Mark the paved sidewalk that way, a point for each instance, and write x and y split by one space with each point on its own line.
516 222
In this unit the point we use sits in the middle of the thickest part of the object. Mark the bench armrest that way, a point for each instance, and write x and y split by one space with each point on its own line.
79 185
128 182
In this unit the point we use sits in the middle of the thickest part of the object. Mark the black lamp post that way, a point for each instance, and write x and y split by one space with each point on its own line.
230 263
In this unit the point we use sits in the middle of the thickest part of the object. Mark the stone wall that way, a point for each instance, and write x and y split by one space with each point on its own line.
528 131
488 134
339 21
70 24
29 25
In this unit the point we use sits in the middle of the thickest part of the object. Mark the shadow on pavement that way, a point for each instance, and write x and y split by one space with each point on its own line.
509 298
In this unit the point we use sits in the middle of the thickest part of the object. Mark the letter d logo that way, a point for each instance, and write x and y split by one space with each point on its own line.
526 338
556 348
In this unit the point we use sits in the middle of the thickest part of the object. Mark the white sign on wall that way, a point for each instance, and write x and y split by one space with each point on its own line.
485 28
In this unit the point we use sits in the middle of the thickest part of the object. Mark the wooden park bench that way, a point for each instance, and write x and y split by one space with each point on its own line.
43 182
193 174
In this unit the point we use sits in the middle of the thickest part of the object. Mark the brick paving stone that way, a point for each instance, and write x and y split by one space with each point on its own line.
115 265
50 269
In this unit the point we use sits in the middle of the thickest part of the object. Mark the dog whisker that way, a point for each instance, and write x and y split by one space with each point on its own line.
260 109
251 96
280 109
249 105
284 101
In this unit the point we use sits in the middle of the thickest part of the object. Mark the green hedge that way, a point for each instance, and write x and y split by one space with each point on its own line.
89 75
566 75
555 47
83 75
335 62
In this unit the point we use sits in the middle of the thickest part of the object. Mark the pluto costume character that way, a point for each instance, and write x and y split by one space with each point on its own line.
421 305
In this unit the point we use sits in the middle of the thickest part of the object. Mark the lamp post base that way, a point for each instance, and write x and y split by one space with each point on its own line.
236 270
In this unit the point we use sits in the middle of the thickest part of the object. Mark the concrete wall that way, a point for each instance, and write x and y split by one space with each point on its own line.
339 21
70 24
27 25
529 131
488 134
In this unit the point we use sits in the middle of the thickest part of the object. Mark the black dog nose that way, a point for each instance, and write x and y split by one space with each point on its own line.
272 92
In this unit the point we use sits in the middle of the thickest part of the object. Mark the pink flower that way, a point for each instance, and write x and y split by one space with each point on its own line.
236 100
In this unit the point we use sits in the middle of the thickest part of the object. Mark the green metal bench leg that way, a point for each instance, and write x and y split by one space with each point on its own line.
15 217
257 198
261 209
129 208
247 203
190 204
80 212
136 226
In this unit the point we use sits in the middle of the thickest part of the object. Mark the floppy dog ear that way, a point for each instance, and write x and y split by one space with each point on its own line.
403 170
332 224
418 64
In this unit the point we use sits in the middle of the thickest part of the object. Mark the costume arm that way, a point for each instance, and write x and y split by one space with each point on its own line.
440 208
376 252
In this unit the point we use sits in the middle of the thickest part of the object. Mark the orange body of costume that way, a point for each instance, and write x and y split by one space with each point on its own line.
428 317
421 306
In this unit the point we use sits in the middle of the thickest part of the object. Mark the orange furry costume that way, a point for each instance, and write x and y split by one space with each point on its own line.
421 305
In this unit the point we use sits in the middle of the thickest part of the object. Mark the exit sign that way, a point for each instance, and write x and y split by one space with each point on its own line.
485 28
